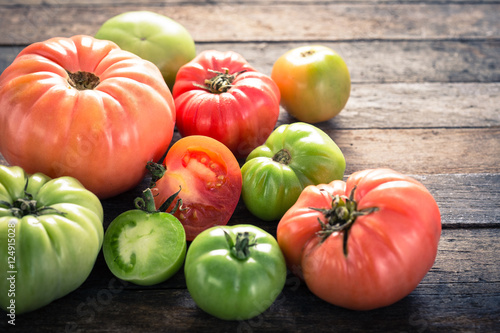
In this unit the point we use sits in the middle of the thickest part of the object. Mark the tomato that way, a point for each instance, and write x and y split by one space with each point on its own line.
82 107
144 246
218 94
153 37
234 272
210 180
50 235
365 243
314 82
293 157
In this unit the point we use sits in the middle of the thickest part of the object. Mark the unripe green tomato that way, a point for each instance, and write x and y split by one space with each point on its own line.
51 233
314 82
293 157
235 272
153 37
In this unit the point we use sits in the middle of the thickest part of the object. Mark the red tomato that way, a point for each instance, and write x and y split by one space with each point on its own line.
210 180
363 244
218 94
83 107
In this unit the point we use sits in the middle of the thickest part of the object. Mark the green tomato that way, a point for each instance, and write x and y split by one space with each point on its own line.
314 82
234 272
153 37
50 234
293 157
145 246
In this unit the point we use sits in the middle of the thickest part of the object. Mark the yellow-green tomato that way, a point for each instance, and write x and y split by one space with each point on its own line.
153 37
314 82
293 157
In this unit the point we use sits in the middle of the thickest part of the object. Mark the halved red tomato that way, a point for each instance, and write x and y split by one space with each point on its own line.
210 180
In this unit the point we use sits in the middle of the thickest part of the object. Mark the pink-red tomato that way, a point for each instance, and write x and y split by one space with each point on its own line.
209 179
218 94
84 108
364 243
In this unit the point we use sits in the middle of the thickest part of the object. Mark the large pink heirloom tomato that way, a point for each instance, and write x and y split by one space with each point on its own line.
364 243
84 108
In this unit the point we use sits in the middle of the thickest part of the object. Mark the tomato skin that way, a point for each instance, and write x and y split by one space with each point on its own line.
153 37
241 117
210 180
50 252
388 253
314 82
102 136
228 287
272 184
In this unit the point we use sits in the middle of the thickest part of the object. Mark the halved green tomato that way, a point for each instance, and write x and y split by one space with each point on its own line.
144 247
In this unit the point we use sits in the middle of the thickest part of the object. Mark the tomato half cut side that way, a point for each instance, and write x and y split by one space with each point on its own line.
209 177
144 248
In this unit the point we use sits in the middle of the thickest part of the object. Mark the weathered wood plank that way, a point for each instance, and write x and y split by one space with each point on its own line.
421 151
216 2
376 61
417 105
266 22
465 200
464 283
383 61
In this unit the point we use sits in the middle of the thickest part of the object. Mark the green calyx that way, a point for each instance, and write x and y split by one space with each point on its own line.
341 217
221 82
157 170
240 248
28 206
283 157
147 202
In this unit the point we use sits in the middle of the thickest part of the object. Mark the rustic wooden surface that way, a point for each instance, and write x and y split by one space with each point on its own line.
425 101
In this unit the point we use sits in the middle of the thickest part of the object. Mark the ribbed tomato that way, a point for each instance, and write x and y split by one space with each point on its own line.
84 108
218 94
364 243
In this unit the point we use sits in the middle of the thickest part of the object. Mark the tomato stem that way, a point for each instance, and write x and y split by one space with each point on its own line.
283 156
83 80
147 202
340 217
241 247
157 170
221 82
307 53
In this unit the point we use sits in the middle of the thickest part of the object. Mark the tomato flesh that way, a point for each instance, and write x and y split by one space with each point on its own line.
144 248
209 177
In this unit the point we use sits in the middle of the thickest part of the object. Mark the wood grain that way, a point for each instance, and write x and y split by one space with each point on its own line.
425 101
421 151
463 283
376 61
266 22
417 105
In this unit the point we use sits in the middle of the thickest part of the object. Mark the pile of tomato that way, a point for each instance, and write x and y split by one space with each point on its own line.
86 118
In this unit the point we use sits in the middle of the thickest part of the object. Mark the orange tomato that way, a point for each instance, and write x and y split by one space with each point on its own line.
84 108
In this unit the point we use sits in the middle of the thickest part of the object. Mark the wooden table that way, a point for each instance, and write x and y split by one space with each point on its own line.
425 101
